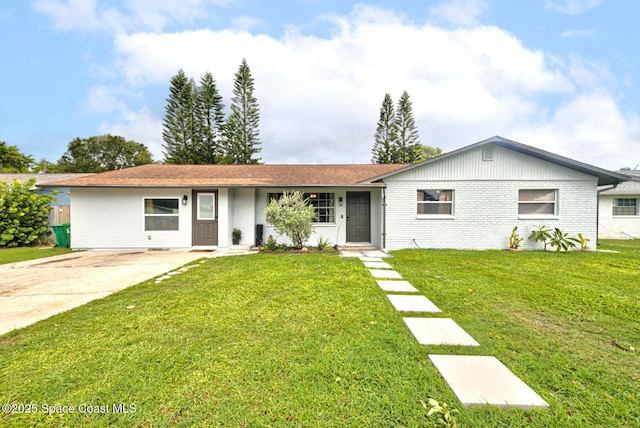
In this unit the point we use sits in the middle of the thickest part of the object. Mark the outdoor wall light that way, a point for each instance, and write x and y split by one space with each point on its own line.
340 201
185 198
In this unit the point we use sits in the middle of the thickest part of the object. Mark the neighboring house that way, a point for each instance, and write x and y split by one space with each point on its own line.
60 206
619 208
470 198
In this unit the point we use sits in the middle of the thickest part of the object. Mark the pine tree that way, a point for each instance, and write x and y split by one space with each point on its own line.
386 136
178 126
209 119
240 135
408 142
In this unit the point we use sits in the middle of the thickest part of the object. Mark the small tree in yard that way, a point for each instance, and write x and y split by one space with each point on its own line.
291 215
24 215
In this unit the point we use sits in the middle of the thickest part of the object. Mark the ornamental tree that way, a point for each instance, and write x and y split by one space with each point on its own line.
24 215
291 215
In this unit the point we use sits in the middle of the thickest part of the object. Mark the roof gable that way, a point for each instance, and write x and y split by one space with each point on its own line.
604 177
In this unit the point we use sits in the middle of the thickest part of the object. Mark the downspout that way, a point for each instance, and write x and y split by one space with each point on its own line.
598 210
384 218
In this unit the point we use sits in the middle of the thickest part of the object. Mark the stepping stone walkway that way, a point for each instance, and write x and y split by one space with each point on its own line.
439 331
381 273
475 380
397 286
480 380
404 303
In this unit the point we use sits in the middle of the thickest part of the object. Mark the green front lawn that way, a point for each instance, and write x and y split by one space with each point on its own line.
310 340
13 255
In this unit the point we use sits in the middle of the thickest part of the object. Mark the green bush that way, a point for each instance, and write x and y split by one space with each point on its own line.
292 215
23 214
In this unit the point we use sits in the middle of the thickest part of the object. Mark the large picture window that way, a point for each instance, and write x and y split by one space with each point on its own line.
323 203
625 206
161 214
435 202
538 202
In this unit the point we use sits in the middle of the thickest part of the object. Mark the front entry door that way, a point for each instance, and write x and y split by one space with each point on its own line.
205 218
358 217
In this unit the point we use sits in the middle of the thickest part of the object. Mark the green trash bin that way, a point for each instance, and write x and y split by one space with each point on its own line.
63 234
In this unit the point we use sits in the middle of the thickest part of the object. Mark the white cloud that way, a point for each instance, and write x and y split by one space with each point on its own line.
320 97
459 12
572 7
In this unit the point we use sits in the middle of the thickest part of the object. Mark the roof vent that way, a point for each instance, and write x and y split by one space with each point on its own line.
487 153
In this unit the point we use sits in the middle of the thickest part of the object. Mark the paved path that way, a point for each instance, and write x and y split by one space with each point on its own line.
37 289
475 380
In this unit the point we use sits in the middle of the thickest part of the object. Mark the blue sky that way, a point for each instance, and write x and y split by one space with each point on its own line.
561 75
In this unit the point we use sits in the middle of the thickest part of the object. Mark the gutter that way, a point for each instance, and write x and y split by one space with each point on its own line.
384 218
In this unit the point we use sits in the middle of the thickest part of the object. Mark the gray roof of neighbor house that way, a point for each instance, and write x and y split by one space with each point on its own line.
41 178
605 177
160 175
631 187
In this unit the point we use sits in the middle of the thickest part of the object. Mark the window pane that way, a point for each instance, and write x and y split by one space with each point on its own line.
537 195
435 209
435 195
625 206
536 208
205 207
161 206
169 222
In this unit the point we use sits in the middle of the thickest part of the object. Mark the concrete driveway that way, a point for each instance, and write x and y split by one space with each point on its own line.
37 289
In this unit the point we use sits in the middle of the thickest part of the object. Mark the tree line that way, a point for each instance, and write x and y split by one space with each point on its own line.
196 131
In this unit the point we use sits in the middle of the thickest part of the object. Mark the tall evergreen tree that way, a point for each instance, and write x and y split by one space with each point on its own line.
386 136
408 143
178 125
241 134
209 119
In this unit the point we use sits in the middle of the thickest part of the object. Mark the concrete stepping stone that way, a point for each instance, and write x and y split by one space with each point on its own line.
404 303
439 331
396 286
378 265
480 380
370 259
382 273
374 253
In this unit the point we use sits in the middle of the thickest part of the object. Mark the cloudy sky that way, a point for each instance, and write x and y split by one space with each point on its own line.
560 75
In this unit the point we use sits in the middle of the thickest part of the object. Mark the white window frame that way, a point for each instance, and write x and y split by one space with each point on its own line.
145 215
614 206
554 202
200 195
451 203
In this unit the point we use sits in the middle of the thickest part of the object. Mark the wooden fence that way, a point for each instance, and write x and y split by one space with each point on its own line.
60 214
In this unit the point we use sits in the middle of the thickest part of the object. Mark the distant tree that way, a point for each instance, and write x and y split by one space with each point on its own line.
102 153
209 119
427 152
241 134
386 136
24 215
407 149
45 166
178 125
12 161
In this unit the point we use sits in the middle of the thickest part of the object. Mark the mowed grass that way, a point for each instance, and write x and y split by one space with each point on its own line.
310 340
13 255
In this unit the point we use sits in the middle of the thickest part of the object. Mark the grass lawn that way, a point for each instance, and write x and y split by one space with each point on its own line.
13 255
310 340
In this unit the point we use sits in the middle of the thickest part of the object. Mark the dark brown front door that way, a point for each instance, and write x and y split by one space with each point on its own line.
205 218
358 217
